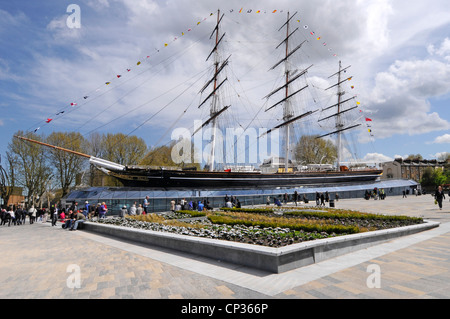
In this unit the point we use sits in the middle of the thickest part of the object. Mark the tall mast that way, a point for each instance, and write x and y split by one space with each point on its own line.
215 98
288 112
340 127
215 108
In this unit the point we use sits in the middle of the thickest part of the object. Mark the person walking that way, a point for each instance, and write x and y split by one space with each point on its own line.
32 213
54 212
146 203
439 196
102 210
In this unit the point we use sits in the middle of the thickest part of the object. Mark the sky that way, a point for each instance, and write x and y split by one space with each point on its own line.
54 54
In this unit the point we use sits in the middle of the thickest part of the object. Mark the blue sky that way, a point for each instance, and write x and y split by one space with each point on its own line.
399 52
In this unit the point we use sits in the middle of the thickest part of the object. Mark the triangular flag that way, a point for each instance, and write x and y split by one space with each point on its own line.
73 104
368 120
48 120
108 83
138 63
119 76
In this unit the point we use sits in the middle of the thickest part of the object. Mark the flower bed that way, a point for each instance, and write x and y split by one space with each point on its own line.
267 227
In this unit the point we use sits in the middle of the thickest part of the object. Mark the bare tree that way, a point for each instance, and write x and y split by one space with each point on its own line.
66 165
31 166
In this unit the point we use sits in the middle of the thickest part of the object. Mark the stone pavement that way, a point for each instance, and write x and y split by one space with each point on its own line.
41 261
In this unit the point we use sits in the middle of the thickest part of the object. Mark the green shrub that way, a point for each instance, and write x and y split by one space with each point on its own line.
338 229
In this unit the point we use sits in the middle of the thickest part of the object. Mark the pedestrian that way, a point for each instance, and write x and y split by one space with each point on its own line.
54 213
123 212
78 218
200 206
12 216
322 199
295 197
32 212
86 207
172 205
146 203
139 210
103 209
439 196
18 214
133 210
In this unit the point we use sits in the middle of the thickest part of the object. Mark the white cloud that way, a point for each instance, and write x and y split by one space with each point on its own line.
401 96
376 158
444 139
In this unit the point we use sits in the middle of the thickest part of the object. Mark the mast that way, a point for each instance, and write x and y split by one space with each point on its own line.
339 125
288 112
215 108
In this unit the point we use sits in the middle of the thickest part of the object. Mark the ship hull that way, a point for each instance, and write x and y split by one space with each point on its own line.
166 179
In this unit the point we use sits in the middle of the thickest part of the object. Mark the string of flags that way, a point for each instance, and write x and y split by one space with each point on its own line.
85 98
119 76
299 21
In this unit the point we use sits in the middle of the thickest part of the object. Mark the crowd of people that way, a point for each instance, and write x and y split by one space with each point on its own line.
75 215
17 215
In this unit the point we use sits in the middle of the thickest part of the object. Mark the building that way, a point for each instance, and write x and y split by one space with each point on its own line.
15 198
409 169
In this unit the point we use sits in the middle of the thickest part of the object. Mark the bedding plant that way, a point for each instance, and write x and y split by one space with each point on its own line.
266 226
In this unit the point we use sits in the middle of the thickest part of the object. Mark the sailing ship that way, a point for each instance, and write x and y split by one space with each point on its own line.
166 178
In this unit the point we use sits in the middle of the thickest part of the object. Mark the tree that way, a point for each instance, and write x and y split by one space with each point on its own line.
7 182
413 157
31 166
438 177
124 150
159 156
311 150
66 165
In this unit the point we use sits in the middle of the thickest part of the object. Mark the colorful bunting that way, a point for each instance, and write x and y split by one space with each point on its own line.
118 76
306 27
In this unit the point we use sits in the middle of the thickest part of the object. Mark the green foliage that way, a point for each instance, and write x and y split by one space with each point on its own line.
248 210
193 213
313 150
293 225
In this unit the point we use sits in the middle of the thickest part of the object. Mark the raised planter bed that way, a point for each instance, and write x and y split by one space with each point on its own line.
275 260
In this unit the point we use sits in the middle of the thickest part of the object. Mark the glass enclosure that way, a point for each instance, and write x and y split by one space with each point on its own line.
160 200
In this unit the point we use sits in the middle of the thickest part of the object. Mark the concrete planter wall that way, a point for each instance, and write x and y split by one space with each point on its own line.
275 260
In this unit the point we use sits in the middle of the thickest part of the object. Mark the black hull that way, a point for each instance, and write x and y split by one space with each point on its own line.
164 179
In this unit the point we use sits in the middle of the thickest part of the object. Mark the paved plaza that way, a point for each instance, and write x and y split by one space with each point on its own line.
41 261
